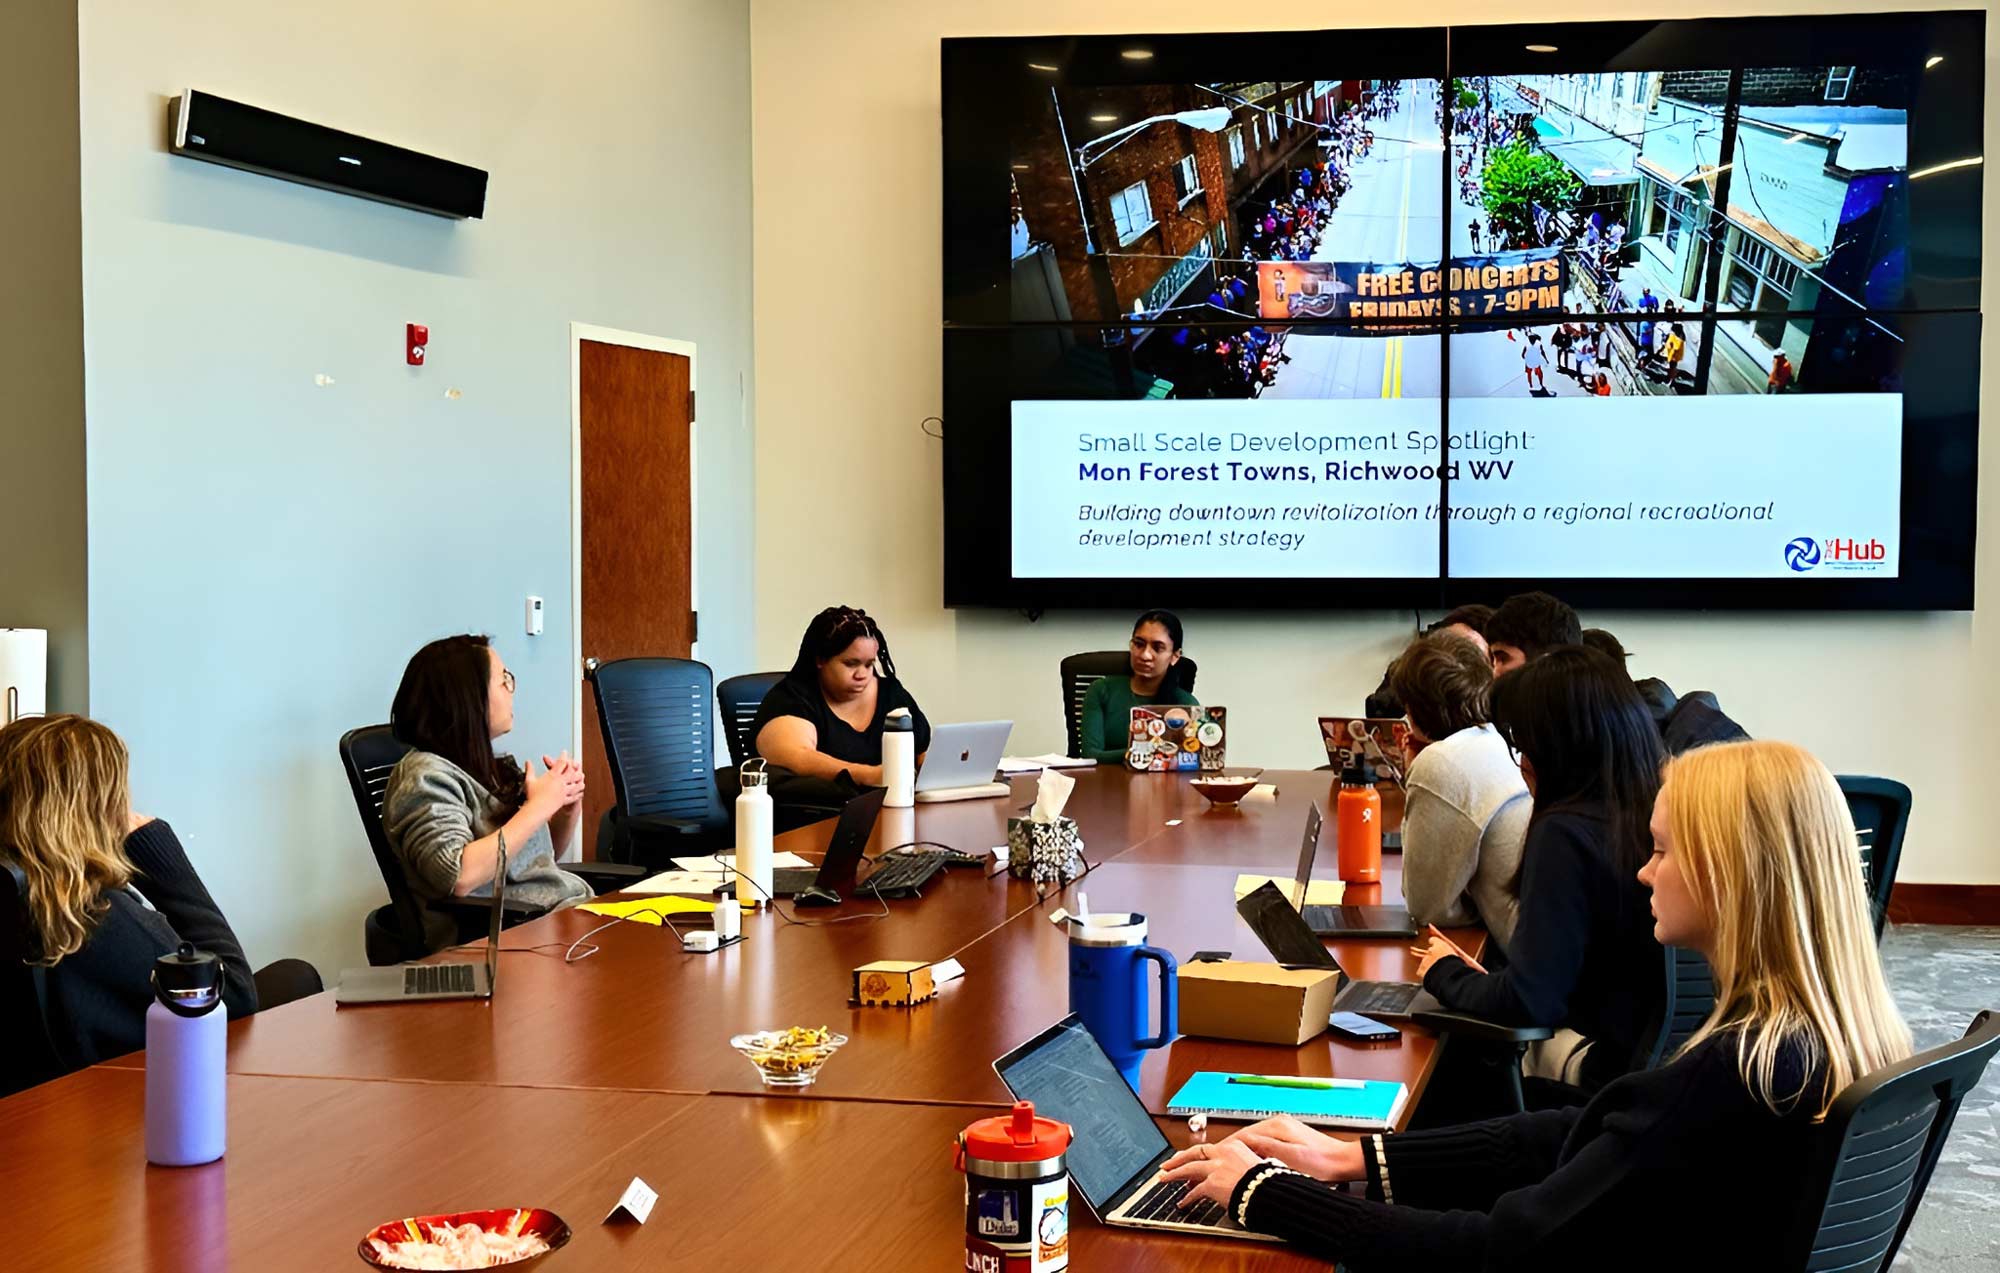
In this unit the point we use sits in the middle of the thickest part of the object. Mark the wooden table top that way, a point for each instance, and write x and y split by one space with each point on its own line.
577 1076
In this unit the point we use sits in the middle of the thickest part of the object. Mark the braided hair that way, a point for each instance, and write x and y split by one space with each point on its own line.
831 631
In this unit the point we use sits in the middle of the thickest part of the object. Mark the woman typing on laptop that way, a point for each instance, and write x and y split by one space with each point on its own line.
1753 865
1105 722
825 718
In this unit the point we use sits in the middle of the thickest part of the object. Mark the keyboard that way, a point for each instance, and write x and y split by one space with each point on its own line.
1367 921
903 873
435 979
1368 997
1158 1205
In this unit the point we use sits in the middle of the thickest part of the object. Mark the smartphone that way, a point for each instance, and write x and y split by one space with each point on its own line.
1352 1025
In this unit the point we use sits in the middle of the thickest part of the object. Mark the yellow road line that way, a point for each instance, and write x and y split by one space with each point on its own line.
1392 354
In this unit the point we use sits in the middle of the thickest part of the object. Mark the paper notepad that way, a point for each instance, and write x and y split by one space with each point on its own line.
1368 1105
649 910
1052 760
714 863
1318 892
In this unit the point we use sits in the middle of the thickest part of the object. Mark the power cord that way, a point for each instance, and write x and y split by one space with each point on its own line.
779 911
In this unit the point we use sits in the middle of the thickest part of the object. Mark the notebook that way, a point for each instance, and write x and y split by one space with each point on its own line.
1356 1104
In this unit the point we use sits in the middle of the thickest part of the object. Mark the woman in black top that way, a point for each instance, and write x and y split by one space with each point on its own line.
108 891
824 720
1753 865
1582 955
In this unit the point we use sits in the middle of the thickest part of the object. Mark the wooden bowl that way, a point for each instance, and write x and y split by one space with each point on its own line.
1223 790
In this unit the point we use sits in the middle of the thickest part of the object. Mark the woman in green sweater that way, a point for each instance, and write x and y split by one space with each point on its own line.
1157 678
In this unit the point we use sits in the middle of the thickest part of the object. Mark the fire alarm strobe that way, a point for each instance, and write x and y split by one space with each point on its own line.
415 337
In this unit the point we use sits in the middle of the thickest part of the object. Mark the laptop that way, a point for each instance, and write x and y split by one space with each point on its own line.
839 872
1115 1160
1342 921
421 983
1292 942
1177 738
962 760
1377 739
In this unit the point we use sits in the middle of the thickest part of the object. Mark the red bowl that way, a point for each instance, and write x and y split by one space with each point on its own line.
543 1223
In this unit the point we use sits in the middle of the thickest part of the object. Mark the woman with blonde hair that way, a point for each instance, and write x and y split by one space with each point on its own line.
109 891
1755 865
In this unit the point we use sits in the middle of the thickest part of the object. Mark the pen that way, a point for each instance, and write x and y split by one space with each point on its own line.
1310 1085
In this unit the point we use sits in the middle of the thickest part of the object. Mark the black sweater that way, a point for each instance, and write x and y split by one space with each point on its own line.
98 996
1667 1169
1582 956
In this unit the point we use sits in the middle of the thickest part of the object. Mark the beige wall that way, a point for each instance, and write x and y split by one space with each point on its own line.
42 552
845 132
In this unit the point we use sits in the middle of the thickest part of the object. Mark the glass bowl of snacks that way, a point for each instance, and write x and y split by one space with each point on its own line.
791 1057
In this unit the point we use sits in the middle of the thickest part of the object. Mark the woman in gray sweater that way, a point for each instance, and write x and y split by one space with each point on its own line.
1467 808
451 803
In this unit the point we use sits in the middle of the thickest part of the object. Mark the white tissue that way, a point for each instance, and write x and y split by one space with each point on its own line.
1051 794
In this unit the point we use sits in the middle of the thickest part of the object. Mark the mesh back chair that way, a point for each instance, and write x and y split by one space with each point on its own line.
1081 671
739 697
658 726
31 1054
1881 809
1690 998
1872 1158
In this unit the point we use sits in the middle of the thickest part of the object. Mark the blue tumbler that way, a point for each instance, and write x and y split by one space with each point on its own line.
186 1071
1107 987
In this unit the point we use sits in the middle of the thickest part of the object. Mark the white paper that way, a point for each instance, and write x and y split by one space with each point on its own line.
24 669
637 1202
1059 917
946 970
695 883
1051 760
722 865
1262 792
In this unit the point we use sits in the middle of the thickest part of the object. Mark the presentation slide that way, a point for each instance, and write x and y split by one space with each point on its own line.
1768 486
1221 489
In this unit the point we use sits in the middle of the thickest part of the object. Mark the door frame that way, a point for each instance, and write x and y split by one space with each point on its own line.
578 333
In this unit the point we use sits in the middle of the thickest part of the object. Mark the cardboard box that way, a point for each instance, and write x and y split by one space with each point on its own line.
893 983
1257 1003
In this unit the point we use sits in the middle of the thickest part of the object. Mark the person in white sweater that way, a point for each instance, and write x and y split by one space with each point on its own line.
1466 813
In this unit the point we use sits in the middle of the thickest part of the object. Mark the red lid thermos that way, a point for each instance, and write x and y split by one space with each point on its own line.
1016 1193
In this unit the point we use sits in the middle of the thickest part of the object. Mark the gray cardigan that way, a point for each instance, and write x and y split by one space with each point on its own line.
1464 823
432 809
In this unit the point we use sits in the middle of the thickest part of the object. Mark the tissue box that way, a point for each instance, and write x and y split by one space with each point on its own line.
1045 852
1257 1003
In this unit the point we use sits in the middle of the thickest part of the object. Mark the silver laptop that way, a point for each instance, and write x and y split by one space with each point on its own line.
1342 921
1115 1159
962 760
410 983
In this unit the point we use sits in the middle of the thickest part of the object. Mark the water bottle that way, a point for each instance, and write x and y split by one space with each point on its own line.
899 759
186 1033
753 836
1358 817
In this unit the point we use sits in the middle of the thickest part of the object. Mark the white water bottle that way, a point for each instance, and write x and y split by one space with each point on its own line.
899 759
753 836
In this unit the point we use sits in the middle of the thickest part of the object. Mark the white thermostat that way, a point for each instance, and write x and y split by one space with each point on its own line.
534 616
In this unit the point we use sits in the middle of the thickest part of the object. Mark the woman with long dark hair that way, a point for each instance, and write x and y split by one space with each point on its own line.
1582 956
1105 720
825 718
452 804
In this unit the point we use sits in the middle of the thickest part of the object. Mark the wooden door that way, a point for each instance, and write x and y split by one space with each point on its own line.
635 426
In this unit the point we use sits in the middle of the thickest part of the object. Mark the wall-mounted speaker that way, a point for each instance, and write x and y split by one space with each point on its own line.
237 135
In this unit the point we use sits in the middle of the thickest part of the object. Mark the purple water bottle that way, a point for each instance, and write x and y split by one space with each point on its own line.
185 1036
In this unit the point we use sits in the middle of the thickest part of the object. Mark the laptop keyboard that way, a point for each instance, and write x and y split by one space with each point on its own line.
435 979
1157 1204
1380 996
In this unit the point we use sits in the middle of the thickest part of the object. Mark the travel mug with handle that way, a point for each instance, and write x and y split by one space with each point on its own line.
1107 987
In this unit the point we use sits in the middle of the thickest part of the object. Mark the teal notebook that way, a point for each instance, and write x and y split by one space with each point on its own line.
1371 1105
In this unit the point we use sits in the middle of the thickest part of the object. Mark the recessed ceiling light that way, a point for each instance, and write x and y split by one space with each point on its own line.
1136 55
1935 58
1103 119
1040 66
1541 48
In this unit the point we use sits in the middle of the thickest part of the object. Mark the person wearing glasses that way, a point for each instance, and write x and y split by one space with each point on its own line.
1104 722
824 720
451 799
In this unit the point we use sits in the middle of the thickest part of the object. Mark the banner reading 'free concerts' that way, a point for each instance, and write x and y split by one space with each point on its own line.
1497 285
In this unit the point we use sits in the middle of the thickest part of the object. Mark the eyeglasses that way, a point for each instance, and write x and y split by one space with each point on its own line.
507 680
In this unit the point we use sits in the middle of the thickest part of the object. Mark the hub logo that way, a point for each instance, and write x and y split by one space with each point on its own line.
1802 554
1805 553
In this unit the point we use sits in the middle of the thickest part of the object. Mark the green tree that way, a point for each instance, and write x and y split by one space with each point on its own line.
1463 95
1519 175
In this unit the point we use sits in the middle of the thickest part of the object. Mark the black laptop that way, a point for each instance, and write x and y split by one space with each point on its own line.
1342 921
1285 934
840 873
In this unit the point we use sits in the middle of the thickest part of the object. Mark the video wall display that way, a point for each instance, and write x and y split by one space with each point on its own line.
1661 313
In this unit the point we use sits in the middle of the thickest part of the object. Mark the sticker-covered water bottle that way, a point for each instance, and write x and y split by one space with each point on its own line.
1016 1193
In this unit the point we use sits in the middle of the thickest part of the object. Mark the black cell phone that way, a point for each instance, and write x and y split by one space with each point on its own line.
1209 956
1360 1029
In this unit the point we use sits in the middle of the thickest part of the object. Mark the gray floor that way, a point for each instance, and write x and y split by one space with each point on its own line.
1941 977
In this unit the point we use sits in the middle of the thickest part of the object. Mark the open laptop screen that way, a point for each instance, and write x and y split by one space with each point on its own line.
1308 851
493 921
1068 1077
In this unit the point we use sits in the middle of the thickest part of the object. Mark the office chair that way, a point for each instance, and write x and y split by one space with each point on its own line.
1690 998
1881 809
739 697
33 1056
409 927
1081 671
658 736
1871 1160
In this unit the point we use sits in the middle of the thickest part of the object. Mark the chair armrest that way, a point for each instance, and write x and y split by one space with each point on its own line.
512 910
608 877
1479 1028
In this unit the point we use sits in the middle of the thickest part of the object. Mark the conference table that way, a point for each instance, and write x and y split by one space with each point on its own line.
579 1075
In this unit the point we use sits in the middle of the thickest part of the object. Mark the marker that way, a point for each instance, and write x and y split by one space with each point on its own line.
1310 1085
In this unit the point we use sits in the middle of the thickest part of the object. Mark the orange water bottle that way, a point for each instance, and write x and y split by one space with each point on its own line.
1358 820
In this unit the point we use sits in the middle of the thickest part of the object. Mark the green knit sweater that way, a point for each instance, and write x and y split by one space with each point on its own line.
1106 726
